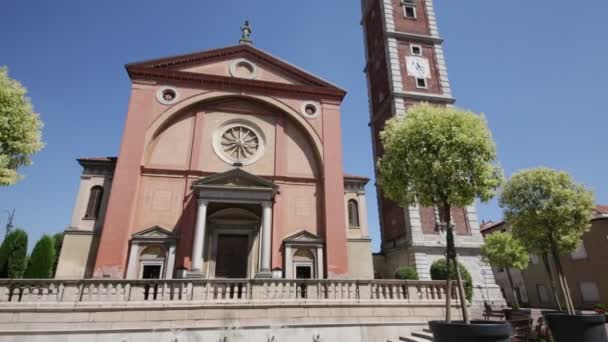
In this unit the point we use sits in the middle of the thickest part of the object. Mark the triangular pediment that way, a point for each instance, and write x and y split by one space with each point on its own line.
302 236
155 232
235 178
240 66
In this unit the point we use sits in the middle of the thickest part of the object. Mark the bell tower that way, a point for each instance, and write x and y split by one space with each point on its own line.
405 65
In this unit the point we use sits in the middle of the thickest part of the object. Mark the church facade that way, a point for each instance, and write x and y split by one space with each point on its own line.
230 166
405 65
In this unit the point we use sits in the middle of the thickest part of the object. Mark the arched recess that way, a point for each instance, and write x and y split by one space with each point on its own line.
166 117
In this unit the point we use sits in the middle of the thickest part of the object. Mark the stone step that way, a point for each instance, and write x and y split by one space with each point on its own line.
424 335
412 339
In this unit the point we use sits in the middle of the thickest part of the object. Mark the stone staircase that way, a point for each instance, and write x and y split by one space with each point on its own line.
423 336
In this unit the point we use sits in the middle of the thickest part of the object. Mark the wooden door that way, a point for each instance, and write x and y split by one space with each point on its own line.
232 252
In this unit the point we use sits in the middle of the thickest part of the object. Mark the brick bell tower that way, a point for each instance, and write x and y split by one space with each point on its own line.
405 65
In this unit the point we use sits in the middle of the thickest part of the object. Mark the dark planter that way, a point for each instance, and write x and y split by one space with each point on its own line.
579 328
477 331
517 313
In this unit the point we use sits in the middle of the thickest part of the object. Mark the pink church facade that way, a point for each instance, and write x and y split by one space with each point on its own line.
230 166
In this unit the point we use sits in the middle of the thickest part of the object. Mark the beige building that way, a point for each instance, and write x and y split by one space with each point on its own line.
583 268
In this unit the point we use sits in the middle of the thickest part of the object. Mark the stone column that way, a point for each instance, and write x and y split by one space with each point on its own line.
170 263
199 236
288 263
266 240
320 269
132 265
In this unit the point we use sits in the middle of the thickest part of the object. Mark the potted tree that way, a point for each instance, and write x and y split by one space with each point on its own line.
442 157
503 251
549 213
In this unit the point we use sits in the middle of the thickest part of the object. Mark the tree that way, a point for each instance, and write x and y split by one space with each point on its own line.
13 253
406 273
58 238
548 213
503 251
20 127
439 271
40 263
441 157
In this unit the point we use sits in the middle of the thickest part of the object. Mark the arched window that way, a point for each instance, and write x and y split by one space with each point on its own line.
353 213
94 202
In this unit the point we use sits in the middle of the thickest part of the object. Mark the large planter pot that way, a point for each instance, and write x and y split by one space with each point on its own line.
579 328
477 331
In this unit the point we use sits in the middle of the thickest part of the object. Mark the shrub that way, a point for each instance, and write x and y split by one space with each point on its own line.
40 263
13 253
406 273
439 271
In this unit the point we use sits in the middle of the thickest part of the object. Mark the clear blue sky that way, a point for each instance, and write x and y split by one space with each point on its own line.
536 68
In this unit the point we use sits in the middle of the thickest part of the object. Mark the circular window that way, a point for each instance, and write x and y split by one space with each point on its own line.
242 68
310 109
167 95
238 142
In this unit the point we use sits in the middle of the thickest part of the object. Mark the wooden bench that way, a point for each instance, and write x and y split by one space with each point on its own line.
489 313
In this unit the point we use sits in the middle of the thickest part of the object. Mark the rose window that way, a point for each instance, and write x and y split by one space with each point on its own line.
239 143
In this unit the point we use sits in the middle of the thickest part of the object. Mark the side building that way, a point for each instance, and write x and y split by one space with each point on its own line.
405 65
588 284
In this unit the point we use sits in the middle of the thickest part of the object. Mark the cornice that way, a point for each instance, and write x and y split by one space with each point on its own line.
231 83
418 96
414 37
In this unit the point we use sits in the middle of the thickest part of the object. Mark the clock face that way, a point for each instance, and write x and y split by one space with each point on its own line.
418 67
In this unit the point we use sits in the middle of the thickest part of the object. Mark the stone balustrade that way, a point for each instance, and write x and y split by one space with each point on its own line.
218 291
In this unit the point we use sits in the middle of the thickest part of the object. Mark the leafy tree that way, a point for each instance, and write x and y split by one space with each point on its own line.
549 213
406 273
441 157
503 251
58 238
40 263
20 128
13 253
439 271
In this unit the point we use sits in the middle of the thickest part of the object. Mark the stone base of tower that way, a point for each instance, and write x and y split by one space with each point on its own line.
422 257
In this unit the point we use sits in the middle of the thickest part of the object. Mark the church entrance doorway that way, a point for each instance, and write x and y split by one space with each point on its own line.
232 255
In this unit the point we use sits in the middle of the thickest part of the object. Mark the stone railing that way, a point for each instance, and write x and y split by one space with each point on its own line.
219 291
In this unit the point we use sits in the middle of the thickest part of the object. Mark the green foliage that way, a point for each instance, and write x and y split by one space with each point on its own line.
439 271
20 127
13 253
406 273
438 156
502 250
547 210
58 238
40 263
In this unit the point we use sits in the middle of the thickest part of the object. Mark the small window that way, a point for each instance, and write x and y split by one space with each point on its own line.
580 253
421 83
589 292
543 294
410 11
94 203
353 213
534 259
416 50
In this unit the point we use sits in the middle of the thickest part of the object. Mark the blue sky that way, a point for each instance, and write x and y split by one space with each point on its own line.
537 69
